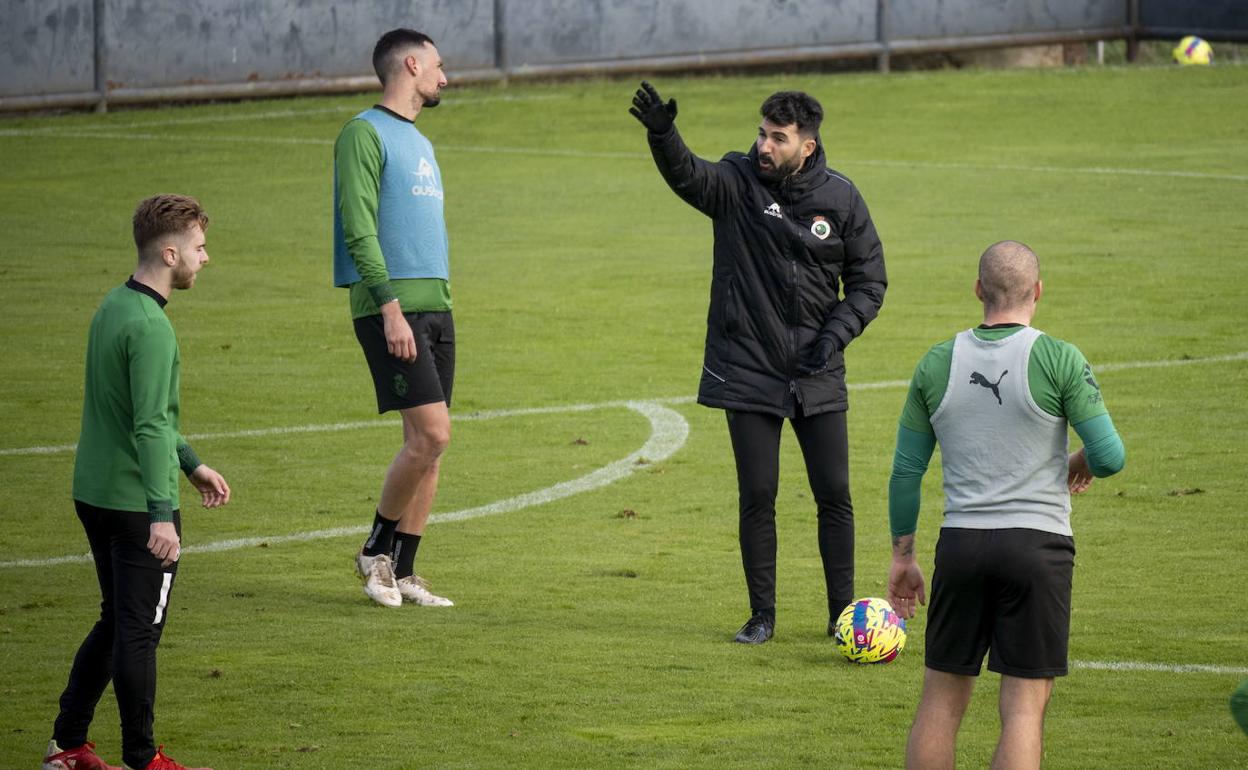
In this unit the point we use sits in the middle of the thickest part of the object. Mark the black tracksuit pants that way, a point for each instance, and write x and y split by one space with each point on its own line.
825 448
122 644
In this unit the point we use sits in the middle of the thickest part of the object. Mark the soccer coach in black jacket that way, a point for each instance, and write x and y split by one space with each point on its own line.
790 234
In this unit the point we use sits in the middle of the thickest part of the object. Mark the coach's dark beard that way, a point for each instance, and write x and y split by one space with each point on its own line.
777 173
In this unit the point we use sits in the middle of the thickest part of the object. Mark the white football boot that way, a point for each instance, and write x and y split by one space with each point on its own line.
379 581
415 589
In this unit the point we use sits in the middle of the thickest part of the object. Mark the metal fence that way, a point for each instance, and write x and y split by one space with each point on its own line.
82 53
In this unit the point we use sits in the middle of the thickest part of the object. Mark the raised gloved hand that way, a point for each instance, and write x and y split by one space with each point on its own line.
648 107
814 360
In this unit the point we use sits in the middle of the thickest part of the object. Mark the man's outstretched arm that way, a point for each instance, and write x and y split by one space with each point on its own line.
705 186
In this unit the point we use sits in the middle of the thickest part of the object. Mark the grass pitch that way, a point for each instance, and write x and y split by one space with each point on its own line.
584 635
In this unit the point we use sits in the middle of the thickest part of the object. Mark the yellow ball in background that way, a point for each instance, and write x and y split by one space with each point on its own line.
1193 50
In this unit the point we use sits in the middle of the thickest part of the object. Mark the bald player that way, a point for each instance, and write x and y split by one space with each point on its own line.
998 399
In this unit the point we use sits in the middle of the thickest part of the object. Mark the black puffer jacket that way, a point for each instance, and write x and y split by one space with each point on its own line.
775 286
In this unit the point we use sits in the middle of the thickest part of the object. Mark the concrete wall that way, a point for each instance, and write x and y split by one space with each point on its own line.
47 47
559 31
159 42
925 19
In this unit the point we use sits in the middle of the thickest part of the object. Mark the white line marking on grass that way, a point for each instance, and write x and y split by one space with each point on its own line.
279 114
294 140
332 427
1100 170
38 450
1163 668
79 133
1172 362
504 98
881 385
172 139
108 125
547 152
48 562
336 427
668 433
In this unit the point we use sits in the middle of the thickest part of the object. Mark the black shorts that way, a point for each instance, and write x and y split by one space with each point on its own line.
426 380
1006 591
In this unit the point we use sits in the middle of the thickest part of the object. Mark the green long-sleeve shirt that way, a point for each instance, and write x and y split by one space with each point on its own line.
130 449
1060 382
358 160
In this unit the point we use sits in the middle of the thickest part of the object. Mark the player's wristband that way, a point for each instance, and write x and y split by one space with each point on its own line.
159 510
382 293
187 459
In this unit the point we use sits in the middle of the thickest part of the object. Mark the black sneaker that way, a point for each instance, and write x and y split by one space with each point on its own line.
836 607
756 630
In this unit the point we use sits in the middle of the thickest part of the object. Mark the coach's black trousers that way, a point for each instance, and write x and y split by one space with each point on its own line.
134 591
825 448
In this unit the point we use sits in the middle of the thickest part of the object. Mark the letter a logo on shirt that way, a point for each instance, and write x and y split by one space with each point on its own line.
424 172
426 180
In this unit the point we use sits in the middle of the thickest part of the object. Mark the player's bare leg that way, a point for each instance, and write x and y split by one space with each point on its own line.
412 482
406 498
413 519
935 730
412 479
1022 706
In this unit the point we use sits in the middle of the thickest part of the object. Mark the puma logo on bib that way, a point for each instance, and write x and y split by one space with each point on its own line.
981 380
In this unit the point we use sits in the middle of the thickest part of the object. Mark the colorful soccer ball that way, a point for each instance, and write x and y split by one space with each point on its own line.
868 631
1193 50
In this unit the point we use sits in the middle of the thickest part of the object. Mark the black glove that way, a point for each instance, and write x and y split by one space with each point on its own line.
648 107
815 359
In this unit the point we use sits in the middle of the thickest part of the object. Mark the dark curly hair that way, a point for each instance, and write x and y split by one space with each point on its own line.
787 108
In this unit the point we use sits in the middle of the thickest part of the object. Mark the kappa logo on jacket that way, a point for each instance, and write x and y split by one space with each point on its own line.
773 211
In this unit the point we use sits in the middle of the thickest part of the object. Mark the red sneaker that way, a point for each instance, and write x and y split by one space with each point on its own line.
80 758
163 761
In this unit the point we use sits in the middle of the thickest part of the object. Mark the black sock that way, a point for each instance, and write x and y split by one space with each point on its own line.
404 554
768 614
381 537
836 607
